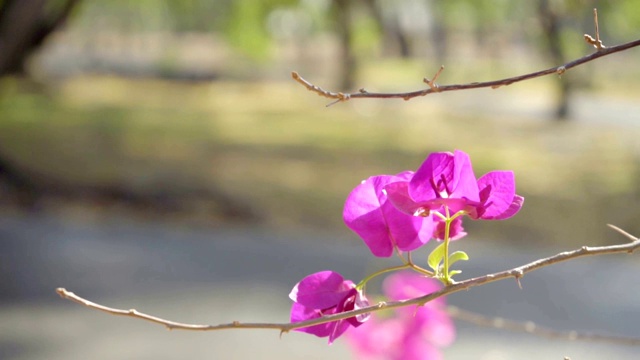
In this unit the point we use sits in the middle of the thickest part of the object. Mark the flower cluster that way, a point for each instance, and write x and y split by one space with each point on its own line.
399 214
408 333
443 187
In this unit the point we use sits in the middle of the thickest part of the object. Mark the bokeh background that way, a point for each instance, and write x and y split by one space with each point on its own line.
158 155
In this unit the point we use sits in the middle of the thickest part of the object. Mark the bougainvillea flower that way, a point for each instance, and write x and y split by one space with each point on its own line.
326 293
411 333
369 213
447 180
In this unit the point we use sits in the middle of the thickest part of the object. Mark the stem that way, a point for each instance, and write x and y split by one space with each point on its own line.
415 267
447 279
447 225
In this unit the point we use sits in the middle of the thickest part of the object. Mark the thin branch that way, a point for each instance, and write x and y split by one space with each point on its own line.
435 88
170 325
530 327
515 273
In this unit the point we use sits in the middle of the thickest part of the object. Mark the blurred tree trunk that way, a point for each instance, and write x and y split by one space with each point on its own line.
394 37
551 26
24 25
342 16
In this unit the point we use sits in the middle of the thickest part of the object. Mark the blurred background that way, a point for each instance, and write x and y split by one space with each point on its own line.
158 155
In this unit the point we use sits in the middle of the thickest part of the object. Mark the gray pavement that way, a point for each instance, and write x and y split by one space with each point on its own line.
220 275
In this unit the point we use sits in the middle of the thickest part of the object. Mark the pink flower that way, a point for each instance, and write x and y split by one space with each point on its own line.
369 214
447 180
326 293
412 334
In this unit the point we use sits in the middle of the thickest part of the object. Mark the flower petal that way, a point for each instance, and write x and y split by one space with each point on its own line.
301 313
444 175
513 209
497 193
321 290
398 194
464 184
347 304
370 214
433 177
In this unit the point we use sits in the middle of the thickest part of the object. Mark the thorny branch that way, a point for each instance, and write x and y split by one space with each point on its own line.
601 51
515 273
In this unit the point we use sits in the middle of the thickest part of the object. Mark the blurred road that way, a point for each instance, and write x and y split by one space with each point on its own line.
216 276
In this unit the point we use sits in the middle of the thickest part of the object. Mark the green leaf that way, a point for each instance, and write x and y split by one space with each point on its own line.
436 257
454 272
457 256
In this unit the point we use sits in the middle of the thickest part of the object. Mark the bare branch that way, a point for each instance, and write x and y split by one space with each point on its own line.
516 273
170 325
435 88
530 327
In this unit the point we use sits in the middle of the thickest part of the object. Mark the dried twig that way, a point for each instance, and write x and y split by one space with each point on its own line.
601 51
597 43
516 273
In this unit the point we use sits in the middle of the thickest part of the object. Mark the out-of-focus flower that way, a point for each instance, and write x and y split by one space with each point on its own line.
409 333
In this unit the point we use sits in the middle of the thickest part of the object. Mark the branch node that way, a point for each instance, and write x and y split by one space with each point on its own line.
517 274
561 69
432 83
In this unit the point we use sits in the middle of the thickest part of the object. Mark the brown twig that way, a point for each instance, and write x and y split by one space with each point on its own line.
435 88
536 330
597 43
516 273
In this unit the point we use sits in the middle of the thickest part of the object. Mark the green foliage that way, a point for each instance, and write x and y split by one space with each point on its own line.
435 257
457 256
246 28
